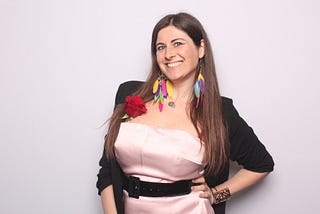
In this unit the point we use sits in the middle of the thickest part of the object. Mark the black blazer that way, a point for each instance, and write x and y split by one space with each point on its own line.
245 148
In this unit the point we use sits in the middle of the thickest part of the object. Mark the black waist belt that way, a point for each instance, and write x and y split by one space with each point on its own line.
136 188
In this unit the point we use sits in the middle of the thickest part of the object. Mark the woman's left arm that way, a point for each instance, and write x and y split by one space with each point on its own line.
240 181
247 150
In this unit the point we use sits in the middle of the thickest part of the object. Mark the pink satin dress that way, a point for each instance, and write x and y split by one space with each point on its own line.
157 154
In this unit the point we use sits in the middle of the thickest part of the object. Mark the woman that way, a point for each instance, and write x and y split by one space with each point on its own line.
171 154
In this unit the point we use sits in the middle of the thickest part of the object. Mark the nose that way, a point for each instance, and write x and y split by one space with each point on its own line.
170 53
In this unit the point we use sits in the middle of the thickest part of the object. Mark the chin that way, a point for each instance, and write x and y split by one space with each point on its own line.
173 77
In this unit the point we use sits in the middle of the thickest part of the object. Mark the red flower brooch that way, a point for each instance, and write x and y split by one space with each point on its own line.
134 106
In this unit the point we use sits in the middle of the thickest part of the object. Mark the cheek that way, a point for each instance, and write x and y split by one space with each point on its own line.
189 53
193 58
158 56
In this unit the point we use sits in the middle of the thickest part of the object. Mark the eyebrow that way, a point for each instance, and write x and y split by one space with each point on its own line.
172 41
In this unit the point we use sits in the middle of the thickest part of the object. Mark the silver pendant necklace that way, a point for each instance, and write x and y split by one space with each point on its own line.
171 104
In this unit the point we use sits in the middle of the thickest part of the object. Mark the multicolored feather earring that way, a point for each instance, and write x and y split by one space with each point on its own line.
162 88
199 87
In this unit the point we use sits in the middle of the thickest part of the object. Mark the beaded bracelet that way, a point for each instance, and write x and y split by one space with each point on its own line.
221 195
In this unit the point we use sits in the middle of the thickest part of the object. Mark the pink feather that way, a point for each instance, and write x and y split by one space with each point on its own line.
160 106
164 88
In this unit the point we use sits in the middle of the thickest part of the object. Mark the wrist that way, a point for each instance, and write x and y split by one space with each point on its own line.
220 196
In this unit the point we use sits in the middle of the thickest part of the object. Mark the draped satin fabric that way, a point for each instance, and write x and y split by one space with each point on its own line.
165 155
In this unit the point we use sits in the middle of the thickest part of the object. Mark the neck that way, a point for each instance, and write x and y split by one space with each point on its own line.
182 91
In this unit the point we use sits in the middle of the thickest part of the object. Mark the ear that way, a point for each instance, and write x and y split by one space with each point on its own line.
202 49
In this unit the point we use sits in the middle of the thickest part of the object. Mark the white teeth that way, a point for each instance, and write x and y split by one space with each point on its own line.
174 64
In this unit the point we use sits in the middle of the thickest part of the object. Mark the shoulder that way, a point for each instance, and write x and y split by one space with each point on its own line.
228 109
125 89
226 102
231 116
130 86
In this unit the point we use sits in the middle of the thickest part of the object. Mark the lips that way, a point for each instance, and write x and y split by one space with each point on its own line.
174 64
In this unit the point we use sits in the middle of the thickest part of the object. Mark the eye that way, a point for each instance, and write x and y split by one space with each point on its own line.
176 44
160 47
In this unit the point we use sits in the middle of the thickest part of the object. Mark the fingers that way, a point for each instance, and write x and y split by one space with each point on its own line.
201 184
207 194
203 188
199 180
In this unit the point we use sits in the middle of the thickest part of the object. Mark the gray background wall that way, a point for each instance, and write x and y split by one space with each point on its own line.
61 62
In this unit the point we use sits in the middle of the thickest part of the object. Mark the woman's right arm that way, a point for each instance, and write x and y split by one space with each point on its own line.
104 185
108 202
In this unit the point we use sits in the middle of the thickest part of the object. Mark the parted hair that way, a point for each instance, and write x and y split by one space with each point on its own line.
207 118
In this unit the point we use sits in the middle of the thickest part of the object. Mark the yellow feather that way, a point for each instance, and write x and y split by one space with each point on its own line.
169 89
200 77
155 86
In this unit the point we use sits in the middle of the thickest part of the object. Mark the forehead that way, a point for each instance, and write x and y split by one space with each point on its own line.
167 34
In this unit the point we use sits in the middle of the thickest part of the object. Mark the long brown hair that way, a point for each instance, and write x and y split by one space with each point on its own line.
207 117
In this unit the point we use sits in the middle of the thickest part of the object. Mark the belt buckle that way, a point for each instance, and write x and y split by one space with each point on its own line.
134 187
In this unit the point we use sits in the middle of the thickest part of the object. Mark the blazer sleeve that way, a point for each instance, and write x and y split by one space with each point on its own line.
106 165
245 147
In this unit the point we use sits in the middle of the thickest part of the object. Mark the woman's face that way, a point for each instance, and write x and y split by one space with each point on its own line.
177 55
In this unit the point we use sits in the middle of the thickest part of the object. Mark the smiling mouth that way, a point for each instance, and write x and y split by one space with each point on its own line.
174 64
